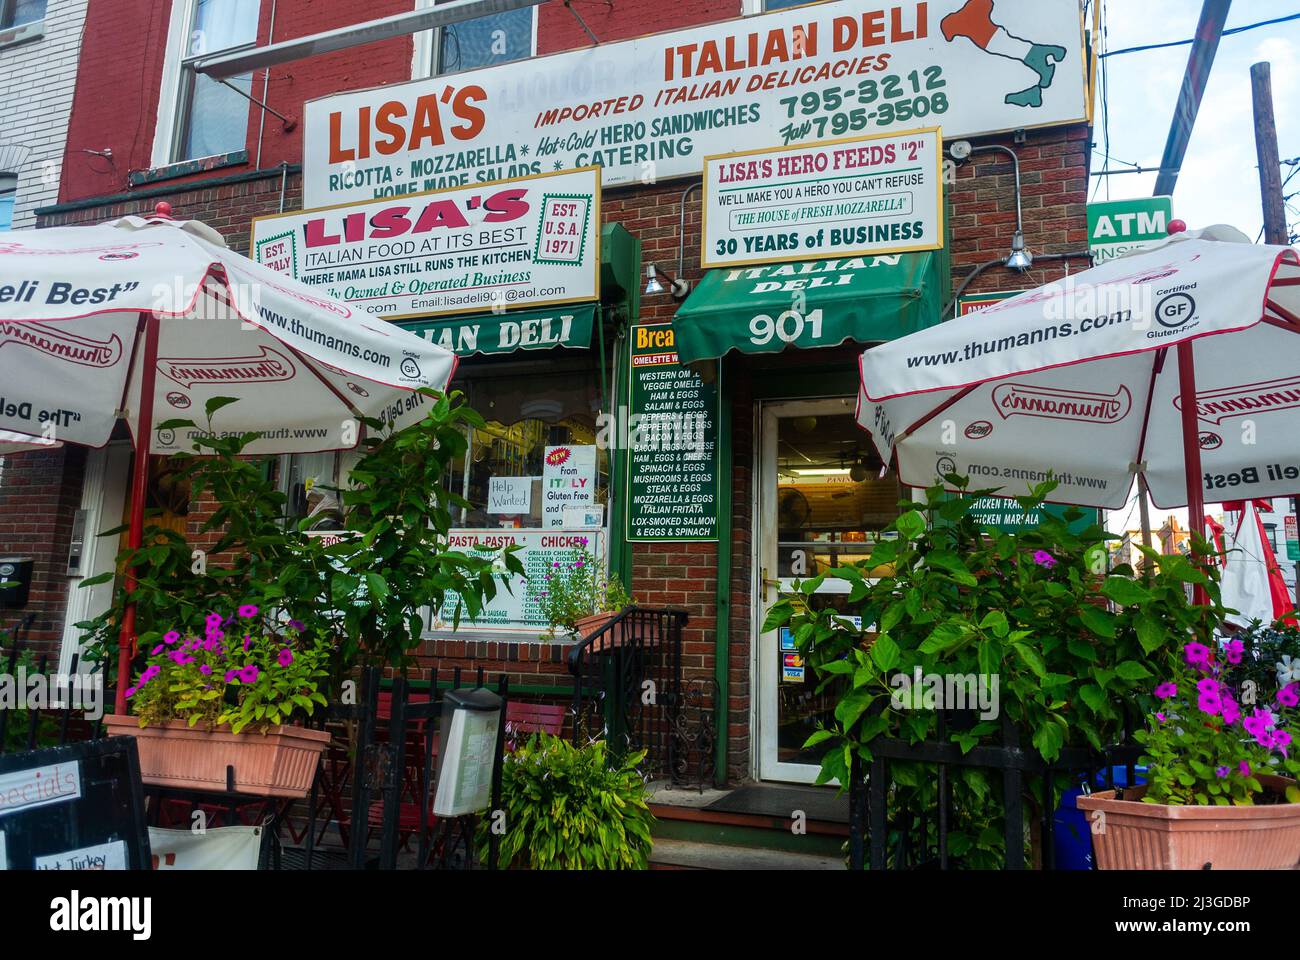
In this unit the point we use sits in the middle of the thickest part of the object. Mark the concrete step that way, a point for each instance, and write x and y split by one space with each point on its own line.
688 855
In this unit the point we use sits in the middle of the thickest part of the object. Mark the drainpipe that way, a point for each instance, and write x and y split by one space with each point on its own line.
681 231
266 89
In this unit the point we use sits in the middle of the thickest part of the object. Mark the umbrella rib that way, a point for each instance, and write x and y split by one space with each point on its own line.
1156 366
1292 321
956 397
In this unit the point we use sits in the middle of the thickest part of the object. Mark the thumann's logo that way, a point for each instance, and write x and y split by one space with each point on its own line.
61 344
1020 400
1210 441
38 251
1267 396
269 366
978 430
75 913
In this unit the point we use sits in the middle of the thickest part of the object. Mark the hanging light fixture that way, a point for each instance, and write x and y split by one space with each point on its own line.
678 288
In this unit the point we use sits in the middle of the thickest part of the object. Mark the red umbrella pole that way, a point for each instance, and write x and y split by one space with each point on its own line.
1191 448
139 490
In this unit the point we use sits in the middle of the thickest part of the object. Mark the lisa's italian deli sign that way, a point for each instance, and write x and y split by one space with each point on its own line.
653 108
487 246
870 195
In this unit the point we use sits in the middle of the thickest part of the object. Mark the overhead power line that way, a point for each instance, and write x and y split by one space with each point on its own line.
1182 43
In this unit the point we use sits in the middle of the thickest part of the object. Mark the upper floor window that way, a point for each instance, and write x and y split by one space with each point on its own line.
767 6
481 42
8 193
212 119
14 13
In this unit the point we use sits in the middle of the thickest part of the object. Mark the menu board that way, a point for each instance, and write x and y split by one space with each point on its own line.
672 462
539 551
77 807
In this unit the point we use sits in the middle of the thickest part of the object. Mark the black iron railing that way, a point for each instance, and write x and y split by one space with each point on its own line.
885 834
61 717
628 690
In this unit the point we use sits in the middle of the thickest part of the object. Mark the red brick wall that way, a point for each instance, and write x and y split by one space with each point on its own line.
39 493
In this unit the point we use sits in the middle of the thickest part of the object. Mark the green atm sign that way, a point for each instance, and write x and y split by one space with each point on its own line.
1117 227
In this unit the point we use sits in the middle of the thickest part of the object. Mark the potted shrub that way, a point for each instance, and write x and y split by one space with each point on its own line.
1220 788
571 808
230 698
580 597
1063 650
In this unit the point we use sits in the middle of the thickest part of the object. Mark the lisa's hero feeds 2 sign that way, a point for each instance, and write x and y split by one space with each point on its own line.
872 195
513 243
651 108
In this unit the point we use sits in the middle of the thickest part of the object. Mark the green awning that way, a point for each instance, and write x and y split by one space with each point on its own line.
567 325
815 303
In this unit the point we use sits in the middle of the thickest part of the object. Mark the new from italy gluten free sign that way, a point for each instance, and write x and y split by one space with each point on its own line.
870 195
499 245
654 107
672 462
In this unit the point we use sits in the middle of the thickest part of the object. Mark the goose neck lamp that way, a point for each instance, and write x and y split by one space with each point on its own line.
678 288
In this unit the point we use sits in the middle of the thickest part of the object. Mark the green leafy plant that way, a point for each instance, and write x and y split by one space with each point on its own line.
18 725
1270 659
237 674
1073 648
366 591
578 588
572 808
1207 744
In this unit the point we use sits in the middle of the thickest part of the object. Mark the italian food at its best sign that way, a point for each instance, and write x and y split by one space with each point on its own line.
496 245
653 108
873 195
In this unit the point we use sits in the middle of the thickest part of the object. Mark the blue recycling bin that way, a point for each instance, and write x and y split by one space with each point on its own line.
1071 836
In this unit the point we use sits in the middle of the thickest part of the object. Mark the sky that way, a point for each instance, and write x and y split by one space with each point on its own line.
1219 180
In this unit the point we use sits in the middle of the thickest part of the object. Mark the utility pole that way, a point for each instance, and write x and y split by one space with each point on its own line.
1270 186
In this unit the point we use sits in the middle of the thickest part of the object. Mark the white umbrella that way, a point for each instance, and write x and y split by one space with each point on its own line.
1181 361
1245 582
149 319
21 443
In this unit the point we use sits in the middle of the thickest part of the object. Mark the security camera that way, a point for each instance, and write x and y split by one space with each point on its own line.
959 150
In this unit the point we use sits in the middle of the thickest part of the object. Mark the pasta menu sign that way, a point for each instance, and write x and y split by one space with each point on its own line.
652 108
487 246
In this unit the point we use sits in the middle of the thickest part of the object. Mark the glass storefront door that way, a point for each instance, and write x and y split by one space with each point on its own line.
821 503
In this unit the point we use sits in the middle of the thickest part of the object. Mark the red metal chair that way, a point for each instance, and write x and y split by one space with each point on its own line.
525 718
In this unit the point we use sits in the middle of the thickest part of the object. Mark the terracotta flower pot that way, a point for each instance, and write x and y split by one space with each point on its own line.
279 763
1157 836
588 626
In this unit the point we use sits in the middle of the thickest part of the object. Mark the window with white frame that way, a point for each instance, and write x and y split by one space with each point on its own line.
211 118
8 194
481 42
14 13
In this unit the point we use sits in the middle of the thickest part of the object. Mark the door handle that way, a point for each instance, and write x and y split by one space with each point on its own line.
767 582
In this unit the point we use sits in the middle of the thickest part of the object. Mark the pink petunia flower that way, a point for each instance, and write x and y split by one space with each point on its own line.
1244 767
205 669
130 692
171 636
158 649
1197 654
1166 690
1234 650
286 657
232 674
248 611
1221 772
1231 712
1161 717
1289 695
249 673
1044 559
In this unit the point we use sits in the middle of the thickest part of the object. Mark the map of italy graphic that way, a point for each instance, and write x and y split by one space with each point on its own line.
975 22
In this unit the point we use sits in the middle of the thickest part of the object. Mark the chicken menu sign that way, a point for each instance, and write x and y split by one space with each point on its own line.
653 108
